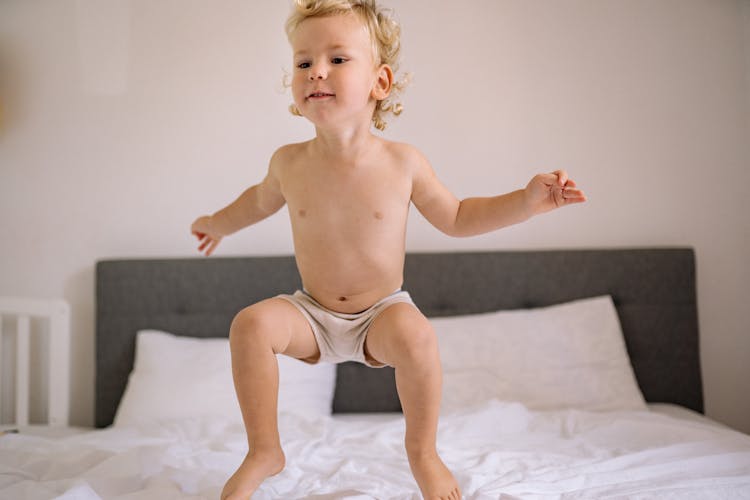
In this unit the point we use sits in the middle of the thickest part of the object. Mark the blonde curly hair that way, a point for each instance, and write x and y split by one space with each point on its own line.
385 34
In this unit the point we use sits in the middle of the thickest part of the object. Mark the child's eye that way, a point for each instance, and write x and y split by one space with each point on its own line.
338 60
303 65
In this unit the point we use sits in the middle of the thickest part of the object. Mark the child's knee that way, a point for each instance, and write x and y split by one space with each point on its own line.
252 324
420 341
274 323
414 335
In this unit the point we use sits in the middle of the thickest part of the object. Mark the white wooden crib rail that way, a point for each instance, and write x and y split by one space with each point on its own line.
56 315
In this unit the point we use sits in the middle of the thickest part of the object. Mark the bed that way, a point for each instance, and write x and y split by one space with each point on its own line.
567 374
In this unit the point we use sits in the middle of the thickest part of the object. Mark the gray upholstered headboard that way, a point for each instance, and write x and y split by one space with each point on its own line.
653 290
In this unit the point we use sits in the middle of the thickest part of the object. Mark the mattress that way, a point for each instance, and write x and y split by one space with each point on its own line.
497 450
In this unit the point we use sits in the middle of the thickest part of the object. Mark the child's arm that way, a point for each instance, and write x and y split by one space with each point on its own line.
253 205
474 216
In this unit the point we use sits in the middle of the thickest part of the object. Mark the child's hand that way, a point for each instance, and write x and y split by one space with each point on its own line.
546 192
207 239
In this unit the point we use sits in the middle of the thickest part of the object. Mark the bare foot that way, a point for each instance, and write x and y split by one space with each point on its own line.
252 472
434 479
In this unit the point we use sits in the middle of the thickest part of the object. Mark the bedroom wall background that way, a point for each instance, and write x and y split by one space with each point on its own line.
123 120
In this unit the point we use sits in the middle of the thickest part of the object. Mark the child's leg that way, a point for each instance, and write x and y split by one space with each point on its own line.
403 338
257 334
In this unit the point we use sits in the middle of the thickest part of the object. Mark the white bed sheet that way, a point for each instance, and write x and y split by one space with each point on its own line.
497 450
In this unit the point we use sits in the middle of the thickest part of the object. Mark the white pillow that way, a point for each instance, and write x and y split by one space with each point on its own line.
182 377
565 356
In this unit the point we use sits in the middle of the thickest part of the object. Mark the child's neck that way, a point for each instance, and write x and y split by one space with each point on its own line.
348 144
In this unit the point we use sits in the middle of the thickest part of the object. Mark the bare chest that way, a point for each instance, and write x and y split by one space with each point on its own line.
321 198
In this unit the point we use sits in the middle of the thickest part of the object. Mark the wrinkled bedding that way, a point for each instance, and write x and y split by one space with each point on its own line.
497 451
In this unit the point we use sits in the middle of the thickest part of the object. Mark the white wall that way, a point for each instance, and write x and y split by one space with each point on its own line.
125 119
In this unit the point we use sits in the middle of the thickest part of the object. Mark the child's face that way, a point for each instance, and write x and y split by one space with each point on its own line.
335 77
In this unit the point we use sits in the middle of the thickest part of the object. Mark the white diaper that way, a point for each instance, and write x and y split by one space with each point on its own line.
341 336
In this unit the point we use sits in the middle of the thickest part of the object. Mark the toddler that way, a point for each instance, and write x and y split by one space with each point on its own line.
348 194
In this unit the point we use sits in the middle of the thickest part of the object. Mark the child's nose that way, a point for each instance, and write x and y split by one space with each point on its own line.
317 72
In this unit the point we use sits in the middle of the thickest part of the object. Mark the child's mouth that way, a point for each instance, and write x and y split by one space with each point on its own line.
320 95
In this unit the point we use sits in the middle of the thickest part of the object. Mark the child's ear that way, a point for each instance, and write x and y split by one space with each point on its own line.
383 83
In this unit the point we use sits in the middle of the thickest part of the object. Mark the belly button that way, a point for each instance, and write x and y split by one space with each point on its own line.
342 299
379 215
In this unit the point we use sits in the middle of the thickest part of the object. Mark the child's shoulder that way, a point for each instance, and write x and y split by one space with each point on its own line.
290 151
286 156
403 151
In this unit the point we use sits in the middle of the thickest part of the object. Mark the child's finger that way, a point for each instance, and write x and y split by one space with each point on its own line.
573 195
211 247
562 176
548 180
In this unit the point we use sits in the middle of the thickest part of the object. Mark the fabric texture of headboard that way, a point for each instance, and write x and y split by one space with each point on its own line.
653 291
